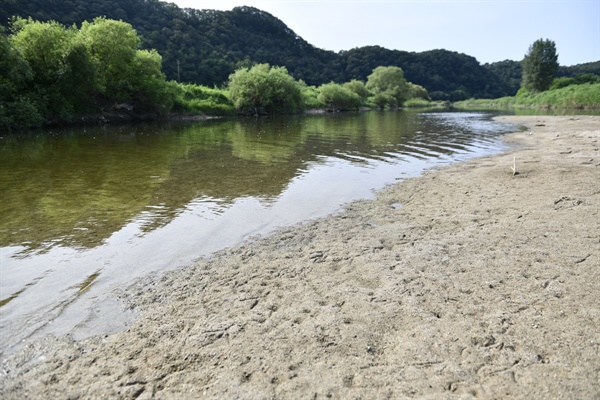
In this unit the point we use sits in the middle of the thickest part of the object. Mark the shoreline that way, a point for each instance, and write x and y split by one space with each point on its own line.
467 281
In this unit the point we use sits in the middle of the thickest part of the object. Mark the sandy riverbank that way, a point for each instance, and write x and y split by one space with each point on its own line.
467 282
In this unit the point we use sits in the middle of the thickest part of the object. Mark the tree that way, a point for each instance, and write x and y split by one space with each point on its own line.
17 109
338 97
62 72
382 100
509 72
263 88
310 95
540 66
113 46
79 83
124 73
417 92
148 84
388 85
49 72
206 46
359 88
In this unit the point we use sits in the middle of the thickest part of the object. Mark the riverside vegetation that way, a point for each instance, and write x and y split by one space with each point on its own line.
52 73
206 46
541 89
55 73
575 96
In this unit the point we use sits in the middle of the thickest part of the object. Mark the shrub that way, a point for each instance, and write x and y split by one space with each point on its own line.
417 92
265 89
359 88
310 95
417 103
201 99
338 97
384 99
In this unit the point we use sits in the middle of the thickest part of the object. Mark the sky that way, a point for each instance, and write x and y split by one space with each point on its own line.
488 30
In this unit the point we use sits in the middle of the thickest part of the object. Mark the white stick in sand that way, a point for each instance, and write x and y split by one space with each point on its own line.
514 167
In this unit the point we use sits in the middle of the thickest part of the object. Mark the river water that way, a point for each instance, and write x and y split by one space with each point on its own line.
86 212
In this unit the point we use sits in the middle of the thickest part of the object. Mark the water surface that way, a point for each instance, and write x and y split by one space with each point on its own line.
85 212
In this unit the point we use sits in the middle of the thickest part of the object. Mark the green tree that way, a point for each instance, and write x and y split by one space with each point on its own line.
62 71
125 73
206 46
382 100
44 45
263 88
17 109
540 66
113 47
417 92
359 88
338 97
53 72
310 95
388 85
509 72
148 84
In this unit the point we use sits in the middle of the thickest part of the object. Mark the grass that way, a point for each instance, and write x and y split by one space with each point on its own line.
574 96
584 96
422 103
195 99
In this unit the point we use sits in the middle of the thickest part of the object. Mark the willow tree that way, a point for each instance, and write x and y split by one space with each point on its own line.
124 72
62 72
113 46
388 85
540 66
338 97
265 89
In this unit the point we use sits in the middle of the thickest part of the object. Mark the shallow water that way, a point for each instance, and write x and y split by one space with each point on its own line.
86 212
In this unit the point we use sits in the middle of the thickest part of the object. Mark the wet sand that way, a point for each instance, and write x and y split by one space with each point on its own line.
466 282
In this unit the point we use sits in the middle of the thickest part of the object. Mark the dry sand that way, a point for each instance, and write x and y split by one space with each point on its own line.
466 282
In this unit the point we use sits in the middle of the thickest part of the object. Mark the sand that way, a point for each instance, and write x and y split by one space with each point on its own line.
466 282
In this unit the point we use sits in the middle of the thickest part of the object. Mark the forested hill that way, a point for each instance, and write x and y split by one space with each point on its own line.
205 46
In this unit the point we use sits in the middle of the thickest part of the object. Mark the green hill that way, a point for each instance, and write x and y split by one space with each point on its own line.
206 46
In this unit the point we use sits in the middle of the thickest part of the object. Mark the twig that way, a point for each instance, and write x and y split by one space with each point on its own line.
514 167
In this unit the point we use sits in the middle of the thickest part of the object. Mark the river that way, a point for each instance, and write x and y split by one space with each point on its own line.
86 212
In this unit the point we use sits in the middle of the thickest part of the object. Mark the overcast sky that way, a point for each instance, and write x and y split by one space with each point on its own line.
487 30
